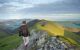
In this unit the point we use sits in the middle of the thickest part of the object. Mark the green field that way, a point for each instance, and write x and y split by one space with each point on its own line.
10 42
73 36
3 34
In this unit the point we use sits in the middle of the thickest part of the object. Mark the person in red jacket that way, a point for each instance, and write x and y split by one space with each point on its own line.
23 31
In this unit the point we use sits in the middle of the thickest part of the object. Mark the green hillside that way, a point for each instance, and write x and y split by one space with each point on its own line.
72 36
10 42
69 37
3 34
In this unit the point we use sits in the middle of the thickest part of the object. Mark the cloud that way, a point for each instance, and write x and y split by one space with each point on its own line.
17 5
59 7
12 7
1 5
41 6
25 7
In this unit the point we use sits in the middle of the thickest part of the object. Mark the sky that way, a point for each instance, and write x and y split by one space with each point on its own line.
40 9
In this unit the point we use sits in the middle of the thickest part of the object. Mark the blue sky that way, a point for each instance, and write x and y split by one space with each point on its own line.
40 9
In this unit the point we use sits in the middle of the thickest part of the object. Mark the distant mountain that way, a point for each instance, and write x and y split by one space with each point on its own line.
11 26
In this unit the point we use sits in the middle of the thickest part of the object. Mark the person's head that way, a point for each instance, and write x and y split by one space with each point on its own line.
23 22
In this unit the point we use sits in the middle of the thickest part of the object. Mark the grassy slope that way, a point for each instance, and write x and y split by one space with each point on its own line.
7 41
3 34
52 28
72 37
10 42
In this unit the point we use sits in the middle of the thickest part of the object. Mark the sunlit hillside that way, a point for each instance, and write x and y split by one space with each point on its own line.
53 28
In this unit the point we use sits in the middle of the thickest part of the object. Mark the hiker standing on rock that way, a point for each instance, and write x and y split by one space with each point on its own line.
23 31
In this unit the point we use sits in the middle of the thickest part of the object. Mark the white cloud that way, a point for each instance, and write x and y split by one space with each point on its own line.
40 1
18 4
14 6
1 5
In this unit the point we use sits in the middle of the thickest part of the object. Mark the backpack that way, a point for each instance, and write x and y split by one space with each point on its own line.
23 31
